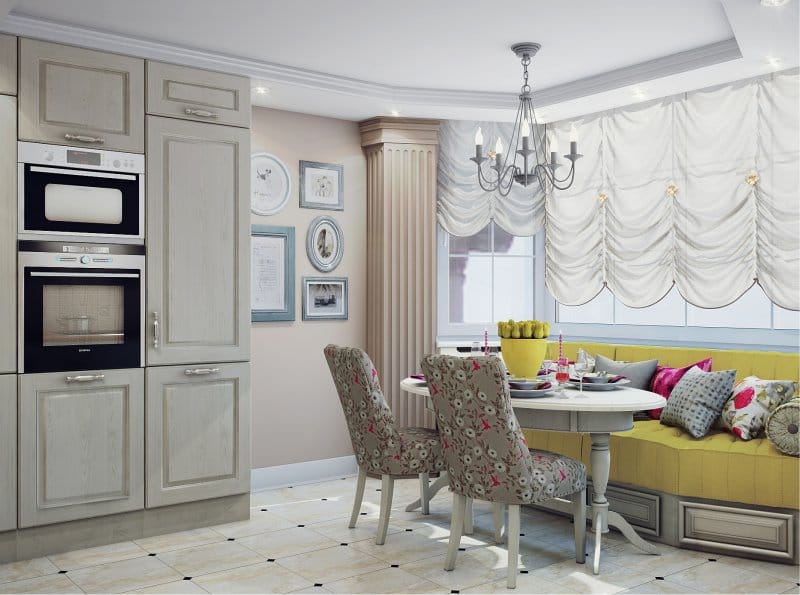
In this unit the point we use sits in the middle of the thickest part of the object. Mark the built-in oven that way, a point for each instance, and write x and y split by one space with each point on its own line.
69 192
81 306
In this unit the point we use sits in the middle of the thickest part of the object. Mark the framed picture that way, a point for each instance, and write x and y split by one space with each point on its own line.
271 273
325 298
325 243
321 186
270 185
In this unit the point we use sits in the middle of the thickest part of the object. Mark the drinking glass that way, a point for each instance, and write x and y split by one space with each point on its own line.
475 349
581 367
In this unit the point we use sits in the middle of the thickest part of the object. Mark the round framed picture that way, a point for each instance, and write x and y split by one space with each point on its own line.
270 185
325 243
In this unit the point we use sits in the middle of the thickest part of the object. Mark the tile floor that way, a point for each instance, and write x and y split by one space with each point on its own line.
297 541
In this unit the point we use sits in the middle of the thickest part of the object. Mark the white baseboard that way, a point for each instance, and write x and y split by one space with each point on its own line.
298 473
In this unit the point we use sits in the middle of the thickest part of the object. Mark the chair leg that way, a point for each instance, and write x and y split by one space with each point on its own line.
362 479
387 487
424 495
579 518
456 527
513 545
469 520
498 513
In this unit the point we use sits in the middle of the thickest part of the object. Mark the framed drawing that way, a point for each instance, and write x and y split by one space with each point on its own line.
325 243
271 273
321 186
270 185
325 298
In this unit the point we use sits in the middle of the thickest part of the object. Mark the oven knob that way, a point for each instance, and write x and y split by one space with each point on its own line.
116 163
84 260
48 156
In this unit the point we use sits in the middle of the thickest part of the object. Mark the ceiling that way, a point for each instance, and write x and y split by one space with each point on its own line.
354 59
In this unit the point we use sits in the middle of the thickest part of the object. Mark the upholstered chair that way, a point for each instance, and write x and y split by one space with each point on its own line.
486 455
380 446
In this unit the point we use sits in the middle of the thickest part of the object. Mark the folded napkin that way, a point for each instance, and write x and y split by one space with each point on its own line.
588 381
418 376
544 385
616 378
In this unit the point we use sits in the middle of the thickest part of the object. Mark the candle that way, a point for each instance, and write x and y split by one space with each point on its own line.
479 144
498 151
560 345
485 341
526 133
573 140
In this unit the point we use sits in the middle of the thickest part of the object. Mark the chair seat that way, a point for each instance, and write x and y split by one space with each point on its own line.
554 476
420 452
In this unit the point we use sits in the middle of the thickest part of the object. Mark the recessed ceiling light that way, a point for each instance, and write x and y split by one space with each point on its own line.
773 3
260 90
395 113
774 62
639 93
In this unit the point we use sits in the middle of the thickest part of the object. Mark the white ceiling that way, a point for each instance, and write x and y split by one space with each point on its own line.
437 58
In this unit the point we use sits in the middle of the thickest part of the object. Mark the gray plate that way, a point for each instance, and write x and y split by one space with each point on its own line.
517 393
590 386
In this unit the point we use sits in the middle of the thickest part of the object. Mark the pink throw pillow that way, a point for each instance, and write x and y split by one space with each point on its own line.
665 379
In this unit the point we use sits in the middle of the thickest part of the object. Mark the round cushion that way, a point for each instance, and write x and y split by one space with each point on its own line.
783 427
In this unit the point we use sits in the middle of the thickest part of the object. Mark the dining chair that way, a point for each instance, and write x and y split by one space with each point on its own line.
380 446
486 455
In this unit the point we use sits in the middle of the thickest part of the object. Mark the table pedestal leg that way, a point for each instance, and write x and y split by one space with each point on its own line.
433 489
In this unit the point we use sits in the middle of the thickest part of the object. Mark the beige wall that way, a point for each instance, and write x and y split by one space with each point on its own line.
296 412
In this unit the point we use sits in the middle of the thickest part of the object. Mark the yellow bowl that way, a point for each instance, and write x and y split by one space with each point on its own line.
523 357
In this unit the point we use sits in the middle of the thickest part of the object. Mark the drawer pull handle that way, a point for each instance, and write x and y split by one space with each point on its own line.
200 113
85 139
156 330
86 378
201 371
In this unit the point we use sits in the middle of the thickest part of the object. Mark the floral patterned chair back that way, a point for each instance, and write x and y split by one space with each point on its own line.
484 449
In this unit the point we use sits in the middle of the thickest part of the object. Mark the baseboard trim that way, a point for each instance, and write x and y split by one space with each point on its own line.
280 476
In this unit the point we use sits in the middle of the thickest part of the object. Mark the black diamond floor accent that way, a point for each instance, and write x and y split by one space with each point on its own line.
324 499
659 578
455 591
377 489
409 530
395 566
522 535
462 549
301 525
363 514
263 510
270 559
151 554
290 487
343 543
317 584
712 559
62 572
187 578
523 572
231 539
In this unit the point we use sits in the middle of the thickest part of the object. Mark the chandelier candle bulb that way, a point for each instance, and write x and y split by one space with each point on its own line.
479 144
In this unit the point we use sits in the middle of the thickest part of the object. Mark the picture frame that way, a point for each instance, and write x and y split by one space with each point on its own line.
321 186
324 243
325 298
270 184
272 264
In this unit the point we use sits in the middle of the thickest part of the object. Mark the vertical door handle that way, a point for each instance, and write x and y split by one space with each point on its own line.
156 331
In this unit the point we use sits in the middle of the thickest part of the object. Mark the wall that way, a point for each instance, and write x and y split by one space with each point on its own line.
296 412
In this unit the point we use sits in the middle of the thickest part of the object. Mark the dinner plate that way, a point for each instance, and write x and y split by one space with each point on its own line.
517 393
590 386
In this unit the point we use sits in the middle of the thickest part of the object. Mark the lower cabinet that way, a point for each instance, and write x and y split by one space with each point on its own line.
198 432
8 452
81 452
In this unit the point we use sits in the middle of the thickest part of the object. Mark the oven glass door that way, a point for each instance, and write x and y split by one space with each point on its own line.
78 201
76 319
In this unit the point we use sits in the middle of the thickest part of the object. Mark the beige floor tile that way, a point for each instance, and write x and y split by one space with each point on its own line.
311 590
173 587
175 541
287 542
670 561
313 511
472 569
524 585
793 590
259 522
126 575
265 577
726 578
52 583
17 571
657 586
332 564
95 556
401 548
580 578
386 580
212 557
366 528
787 572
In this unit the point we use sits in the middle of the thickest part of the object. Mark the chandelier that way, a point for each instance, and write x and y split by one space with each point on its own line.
534 166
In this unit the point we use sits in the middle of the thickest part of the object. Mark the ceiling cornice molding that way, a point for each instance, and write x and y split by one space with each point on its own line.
269 72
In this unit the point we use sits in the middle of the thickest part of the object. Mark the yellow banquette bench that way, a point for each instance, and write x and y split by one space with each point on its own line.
717 493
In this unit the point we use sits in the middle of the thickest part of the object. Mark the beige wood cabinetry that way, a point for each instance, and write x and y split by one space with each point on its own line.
8 234
74 96
81 452
198 236
8 452
8 64
195 94
198 432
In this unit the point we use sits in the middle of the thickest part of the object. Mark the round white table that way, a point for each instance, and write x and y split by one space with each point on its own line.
597 413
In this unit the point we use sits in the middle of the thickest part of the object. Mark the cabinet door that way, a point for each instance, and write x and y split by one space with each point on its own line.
8 65
73 96
198 235
195 94
8 452
81 445
8 234
198 432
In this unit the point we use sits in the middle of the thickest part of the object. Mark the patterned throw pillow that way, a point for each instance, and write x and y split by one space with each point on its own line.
753 399
665 380
639 373
697 400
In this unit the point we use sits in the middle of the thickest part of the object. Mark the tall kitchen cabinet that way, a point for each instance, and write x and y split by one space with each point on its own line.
8 234
8 452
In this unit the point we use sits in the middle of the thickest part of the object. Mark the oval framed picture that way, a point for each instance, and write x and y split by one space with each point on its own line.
325 243
270 185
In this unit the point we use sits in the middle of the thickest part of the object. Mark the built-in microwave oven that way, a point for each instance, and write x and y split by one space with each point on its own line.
80 194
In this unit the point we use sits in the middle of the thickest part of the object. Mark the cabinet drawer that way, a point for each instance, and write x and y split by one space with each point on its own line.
8 65
195 94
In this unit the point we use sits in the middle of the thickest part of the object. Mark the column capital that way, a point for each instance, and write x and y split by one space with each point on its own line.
414 131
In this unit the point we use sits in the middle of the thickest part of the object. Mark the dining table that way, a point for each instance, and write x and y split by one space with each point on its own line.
596 412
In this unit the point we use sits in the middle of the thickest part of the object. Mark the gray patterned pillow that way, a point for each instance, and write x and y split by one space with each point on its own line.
697 400
639 373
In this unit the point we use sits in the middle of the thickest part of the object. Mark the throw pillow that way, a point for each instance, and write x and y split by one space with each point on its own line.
697 400
639 373
665 379
753 399
783 427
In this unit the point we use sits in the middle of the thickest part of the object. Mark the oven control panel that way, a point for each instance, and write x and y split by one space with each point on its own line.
80 157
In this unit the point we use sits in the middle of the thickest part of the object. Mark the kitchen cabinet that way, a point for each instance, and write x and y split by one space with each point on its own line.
81 445
198 432
8 452
8 65
198 236
74 96
8 234
195 94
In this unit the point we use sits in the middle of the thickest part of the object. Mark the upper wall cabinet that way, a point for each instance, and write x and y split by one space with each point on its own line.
8 234
8 65
73 96
193 94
